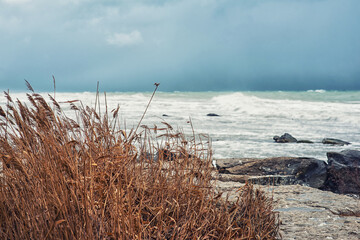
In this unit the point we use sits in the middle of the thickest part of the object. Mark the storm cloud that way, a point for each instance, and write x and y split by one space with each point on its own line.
185 45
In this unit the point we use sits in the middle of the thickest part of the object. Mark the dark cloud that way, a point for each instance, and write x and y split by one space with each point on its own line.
185 44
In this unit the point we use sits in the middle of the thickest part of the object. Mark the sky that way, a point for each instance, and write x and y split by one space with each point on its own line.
185 45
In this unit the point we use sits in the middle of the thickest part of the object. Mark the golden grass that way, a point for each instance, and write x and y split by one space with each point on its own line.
86 178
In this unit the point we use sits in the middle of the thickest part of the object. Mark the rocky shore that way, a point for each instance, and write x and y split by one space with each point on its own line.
308 213
315 199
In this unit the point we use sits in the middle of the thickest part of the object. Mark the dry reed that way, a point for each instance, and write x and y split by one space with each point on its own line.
87 179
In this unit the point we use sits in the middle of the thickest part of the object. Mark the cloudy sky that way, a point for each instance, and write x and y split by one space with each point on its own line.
186 45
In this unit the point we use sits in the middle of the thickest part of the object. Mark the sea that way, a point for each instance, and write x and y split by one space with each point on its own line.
246 121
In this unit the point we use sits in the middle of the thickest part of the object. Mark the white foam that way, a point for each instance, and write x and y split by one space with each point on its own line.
247 121
317 91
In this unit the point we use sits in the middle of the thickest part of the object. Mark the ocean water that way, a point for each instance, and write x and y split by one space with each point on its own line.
247 121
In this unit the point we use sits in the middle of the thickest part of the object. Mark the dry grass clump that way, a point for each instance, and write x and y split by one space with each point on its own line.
85 178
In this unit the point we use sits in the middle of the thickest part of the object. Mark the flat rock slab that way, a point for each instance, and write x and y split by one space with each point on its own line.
308 213
262 166
262 180
279 170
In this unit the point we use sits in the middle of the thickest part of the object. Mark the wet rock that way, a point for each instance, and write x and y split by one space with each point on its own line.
285 138
346 158
343 172
165 115
334 141
304 141
283 170
212 115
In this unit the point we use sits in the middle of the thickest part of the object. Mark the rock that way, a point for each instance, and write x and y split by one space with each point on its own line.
276 138
222 164
165 154
346 158
165 115
272 180
306 213
343 172
286 138
283 170
334 141
212 115
304 141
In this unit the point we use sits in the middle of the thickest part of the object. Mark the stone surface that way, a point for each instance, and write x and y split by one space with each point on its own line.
285 138
304 141
343 172
278 171
334 141
262 180
305 212
308 213
222 164
346 158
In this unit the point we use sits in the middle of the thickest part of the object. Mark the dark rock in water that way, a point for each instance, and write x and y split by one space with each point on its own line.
285 170
212 115
334 141
165 115
343 172
304 141
286 138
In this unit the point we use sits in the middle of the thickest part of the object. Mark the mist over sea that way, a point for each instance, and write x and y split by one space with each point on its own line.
247 121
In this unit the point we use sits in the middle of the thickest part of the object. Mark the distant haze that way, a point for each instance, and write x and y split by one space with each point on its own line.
186 45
